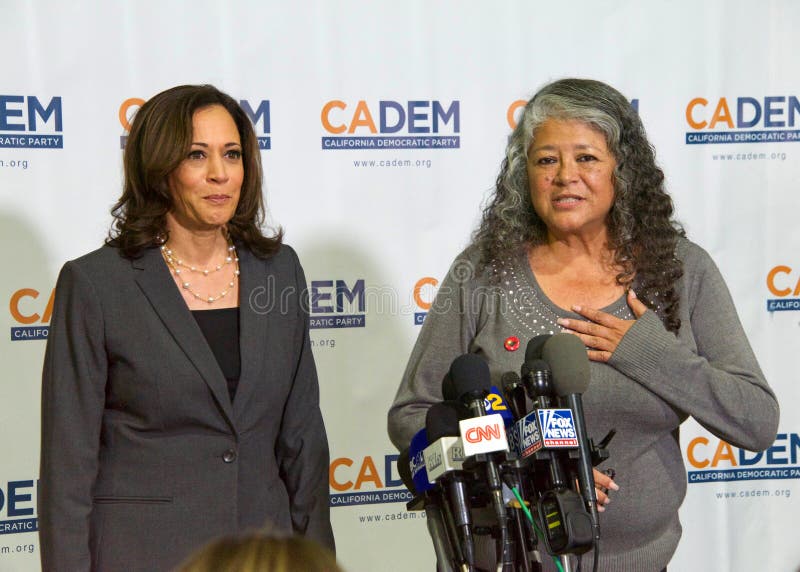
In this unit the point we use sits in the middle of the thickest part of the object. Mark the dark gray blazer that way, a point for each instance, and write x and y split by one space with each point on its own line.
144 458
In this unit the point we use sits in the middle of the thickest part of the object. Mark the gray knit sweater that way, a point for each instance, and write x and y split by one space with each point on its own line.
653 382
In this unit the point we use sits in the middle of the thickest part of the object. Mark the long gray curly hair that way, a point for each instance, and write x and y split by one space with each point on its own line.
642 232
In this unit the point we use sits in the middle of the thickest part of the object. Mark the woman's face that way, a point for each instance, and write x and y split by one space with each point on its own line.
571 177
206 185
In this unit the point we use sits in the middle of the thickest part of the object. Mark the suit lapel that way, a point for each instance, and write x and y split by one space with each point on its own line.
253 339
159 288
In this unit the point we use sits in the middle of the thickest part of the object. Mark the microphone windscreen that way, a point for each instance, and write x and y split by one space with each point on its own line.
470 375
534 348
442 420
509 379
569 362
448 391
404 468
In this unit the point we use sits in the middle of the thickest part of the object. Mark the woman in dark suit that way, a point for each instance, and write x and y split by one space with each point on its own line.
179 393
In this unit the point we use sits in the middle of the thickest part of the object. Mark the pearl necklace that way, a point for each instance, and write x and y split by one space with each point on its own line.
175 261
175 264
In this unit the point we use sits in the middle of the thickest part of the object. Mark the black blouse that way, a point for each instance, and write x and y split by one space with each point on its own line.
221 329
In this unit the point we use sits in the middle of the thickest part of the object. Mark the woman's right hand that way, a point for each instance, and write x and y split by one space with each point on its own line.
602 332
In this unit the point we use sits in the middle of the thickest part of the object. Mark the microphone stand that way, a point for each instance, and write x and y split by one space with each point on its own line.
506 544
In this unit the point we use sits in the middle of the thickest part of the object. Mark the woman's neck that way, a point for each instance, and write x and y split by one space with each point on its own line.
198 247
576 272
571 250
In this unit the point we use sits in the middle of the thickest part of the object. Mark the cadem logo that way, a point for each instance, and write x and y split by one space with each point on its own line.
417 124
783 283
424 293
27 308
336 305
744 119
27 122
17 507
358 481
714 460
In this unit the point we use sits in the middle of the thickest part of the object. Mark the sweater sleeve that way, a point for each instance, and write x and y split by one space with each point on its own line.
448 331
720 383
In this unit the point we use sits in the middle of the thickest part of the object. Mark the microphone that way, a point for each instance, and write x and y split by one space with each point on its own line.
569 361
470 378
445 453
481 435
492 399
434 519
444 460
419 474
534 348
536 373
537 378
448 391
543 436
404 469
514 393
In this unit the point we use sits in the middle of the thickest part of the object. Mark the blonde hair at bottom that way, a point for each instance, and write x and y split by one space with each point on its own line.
261 552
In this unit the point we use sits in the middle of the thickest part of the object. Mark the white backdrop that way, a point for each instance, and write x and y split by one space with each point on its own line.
384 219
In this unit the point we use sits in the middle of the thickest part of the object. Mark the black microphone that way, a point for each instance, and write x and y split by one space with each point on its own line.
448 391
568 525
535 373
437 527
534 348
514 392
471 378
538 381
444 458
569 362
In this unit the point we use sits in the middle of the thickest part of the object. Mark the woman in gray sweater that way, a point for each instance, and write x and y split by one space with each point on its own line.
579 237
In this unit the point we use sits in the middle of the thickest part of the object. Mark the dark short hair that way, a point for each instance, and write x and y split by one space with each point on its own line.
159 139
